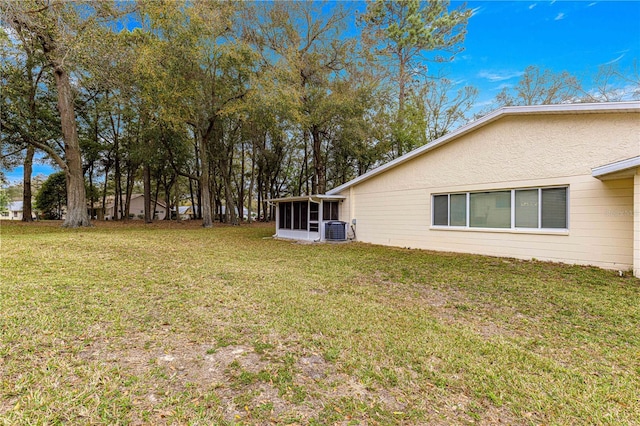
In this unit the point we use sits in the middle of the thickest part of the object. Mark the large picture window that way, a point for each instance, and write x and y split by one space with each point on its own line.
490 209
530 208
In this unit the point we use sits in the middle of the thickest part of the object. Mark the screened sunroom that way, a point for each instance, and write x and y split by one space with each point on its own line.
310 218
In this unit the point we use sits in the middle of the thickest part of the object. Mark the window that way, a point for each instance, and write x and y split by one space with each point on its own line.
330 210
458 211
285 216
441 210
527 208
293 215
531 208
490 209
554 208
300 215
314 209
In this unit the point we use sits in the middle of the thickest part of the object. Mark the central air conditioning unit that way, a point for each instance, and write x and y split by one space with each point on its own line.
335 231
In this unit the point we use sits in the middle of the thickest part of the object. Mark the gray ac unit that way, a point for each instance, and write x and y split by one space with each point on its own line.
335 231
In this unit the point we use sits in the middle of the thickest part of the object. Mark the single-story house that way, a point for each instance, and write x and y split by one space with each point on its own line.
245 212
14 211
185 212
136 208
552 182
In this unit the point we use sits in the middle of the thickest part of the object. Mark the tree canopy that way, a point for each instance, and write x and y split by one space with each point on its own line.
225 105
51 200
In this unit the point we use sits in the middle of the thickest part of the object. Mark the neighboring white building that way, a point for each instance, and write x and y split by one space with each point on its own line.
186 212
136 208
551 182
14 211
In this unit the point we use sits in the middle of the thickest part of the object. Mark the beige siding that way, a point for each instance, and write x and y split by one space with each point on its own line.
394 208
636 229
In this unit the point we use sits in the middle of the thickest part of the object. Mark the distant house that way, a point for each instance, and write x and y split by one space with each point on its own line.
186 212
245 211
14 211
136 208
551 182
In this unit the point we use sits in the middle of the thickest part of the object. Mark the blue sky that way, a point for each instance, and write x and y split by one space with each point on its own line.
504 37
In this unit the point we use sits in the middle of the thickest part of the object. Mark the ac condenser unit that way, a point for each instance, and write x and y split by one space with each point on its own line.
335 231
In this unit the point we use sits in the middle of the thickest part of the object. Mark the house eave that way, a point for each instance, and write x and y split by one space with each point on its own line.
315 197
618 170
586 108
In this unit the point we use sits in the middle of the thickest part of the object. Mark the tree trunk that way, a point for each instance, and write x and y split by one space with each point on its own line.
241 186
148 216
193 201
76 193
26 194
156 194
92 201
205 183
104 190
117 178
320 173
167 194
230 204
251 182
131 173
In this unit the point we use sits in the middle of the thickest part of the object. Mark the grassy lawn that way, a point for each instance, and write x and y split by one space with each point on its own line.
134 324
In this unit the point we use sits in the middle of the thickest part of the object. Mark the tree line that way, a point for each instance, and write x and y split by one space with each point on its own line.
233 103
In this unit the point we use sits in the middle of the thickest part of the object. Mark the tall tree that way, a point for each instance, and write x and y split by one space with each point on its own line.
541 87
406 35
444 106
52 196
614 84
202 70
301 52
60 27
27 111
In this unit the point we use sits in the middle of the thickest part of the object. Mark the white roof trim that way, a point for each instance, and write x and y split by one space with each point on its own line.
307 198
618 166
604 107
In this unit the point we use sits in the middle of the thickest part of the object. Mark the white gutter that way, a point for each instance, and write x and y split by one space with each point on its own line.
307 198
618 166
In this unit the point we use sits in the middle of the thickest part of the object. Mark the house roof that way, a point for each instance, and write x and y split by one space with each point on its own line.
315 197
591 108
619 169
16 206
110 200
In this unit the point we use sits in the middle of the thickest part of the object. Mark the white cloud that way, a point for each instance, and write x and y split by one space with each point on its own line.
476 11
614 60
559 17
504 86
499 76
531 6
592 4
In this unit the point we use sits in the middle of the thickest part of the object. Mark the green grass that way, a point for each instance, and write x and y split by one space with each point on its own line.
134 324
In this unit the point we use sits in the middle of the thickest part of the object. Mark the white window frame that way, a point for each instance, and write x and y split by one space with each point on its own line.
513 227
